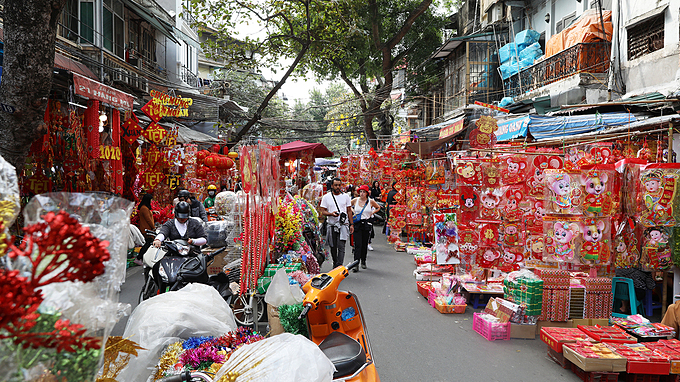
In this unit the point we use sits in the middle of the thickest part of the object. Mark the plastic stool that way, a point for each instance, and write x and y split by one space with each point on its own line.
649 305
623 289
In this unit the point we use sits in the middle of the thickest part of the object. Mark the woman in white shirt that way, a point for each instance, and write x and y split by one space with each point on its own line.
363 208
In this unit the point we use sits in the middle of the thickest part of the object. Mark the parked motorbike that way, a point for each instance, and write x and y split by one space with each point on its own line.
378 218
336 324
177 264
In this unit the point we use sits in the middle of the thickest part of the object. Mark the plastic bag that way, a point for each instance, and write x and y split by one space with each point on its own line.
195 310
280 292
532 51
9 194
282 358
527 37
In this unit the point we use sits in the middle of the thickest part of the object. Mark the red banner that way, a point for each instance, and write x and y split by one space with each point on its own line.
97 91
493 107
451 129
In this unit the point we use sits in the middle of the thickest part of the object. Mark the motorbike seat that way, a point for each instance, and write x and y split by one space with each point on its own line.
345 352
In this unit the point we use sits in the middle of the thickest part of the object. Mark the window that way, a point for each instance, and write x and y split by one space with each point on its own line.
606 4
646 37
68 21
113 27
148 46
565 22
86 22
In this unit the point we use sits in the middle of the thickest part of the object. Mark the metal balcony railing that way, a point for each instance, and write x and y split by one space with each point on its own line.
592 57
188 77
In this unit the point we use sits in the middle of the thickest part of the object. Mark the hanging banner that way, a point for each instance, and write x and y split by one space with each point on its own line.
97 91
163 105
451 129
405 137
514 128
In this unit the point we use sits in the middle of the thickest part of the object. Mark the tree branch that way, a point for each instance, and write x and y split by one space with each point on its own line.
391 43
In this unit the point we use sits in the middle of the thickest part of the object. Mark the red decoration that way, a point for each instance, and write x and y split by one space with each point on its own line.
216 148
154 133
152 111
211 161
66 251
118 163
131 129
92 127
483 136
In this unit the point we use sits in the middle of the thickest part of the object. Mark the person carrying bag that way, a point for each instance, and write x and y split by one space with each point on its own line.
335 206
363 208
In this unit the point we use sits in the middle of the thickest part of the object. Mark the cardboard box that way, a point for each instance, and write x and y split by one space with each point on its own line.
599 321
556 324
526 332
594 364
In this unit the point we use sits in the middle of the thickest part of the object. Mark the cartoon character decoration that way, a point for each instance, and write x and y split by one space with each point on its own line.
600 154
446 238
511 209
469 173
512 234
656 251
511 260
434 172
468 242
534 218
561 237
514 170
575 158
594 249
597 200
563 194
469 205
626 255
489 209
483 137
658 194
541 163
535 246
488 257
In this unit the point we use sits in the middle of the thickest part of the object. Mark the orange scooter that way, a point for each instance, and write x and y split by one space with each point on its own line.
336 324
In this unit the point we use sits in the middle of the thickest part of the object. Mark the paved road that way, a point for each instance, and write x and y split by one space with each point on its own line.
414 342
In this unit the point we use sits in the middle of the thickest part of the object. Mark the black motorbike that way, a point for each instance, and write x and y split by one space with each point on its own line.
378 218
177 264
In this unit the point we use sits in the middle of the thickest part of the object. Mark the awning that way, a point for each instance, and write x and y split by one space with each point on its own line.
513 128
161 26
186 135
426 148
63 62
543 127
97 91
645 16
454 42
293 148
186 38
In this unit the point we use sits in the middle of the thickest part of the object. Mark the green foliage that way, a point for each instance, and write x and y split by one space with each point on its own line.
288 314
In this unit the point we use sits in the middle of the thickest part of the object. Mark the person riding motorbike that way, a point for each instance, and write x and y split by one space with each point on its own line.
182 227
197 209
209 202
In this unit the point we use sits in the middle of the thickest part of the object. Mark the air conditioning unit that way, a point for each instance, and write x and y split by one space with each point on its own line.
496 12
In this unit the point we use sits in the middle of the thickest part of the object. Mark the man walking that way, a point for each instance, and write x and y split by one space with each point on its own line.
337 208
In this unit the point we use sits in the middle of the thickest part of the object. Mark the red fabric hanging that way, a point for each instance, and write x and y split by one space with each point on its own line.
117 164
92 128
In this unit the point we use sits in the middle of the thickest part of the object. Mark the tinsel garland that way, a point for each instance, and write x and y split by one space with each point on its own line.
288 314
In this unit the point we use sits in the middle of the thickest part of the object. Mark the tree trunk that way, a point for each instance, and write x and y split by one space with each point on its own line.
30 28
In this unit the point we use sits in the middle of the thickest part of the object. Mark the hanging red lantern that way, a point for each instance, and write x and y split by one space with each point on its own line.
202 172
211 161
216 148
201 155
229 163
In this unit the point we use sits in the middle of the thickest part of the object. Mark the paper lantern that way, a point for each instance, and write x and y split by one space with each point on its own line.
211 161
202 172
232 155
216 148
229 163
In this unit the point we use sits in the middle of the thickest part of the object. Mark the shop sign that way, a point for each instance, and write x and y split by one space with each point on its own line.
162 105
39 184
451 129
152 178
109 153
513 128
131 129
154 133
405 138
492 107
98 91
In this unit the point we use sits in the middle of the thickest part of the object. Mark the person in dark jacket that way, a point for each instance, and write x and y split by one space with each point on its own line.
390 202
182 227
197 209
146 222
375 190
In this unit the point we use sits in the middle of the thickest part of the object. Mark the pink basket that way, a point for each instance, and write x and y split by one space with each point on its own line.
431 297
492 331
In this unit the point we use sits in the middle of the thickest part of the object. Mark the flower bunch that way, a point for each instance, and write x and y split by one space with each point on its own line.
288 223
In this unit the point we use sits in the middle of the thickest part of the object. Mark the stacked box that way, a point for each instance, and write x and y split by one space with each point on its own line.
598 297
526 292
555 278
271 269
293 267
547 305
559 305
263 283
556 294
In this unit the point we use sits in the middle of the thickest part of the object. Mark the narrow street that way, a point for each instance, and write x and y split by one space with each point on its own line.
411 340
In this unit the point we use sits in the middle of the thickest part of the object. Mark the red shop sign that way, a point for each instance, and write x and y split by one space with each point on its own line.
98 91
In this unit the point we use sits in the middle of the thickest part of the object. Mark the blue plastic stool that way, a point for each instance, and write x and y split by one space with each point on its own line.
649 305
623 290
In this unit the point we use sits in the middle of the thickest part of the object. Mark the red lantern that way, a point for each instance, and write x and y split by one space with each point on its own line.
202 172
201 155
211 161
229 163
216 148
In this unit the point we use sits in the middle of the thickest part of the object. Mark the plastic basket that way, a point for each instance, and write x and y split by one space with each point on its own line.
459 309
423 287
492 331
431 296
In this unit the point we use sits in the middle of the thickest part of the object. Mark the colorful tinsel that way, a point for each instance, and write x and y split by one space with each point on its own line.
288 314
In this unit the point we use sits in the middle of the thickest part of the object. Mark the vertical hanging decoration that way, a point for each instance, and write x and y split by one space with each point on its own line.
92 127
117 167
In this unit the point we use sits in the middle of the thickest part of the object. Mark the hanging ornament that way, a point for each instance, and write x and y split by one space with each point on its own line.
483 136
131 129
154 133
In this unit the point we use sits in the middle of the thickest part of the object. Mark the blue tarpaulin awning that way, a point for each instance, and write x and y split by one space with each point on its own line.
546 127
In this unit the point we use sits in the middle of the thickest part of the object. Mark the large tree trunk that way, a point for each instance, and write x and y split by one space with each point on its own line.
30 28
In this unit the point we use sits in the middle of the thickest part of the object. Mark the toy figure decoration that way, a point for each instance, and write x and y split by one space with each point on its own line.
511 259
659 192
514 170
469 205
512 234
560 239
562 192
656 251
511 209
594 249
597 201
488 257
535 247
469 173
483 136
490 210
534 218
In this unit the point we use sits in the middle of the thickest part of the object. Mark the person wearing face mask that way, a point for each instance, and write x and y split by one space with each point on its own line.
182 227
209 202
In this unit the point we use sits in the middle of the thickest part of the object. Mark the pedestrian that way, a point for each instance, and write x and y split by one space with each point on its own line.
390 202
375 190
363 208
336 207
209 201
146 222
197 209
350 192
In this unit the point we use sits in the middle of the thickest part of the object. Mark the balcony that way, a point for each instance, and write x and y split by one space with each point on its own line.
592 57
188 77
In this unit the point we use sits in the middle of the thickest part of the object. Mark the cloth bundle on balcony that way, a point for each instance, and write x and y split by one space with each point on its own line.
587 28
520 54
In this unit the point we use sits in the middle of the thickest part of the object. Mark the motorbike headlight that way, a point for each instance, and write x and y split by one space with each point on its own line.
164 276
183 250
